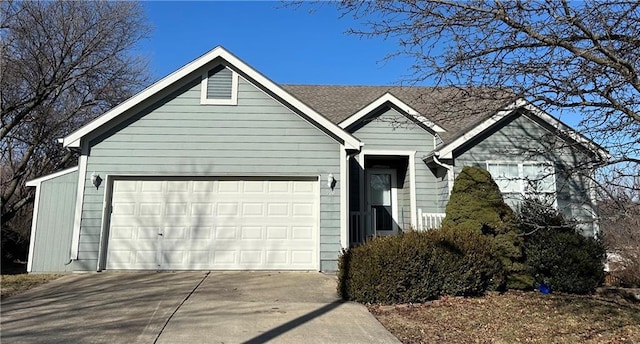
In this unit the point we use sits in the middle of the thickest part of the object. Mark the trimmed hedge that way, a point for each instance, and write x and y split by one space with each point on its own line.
417 267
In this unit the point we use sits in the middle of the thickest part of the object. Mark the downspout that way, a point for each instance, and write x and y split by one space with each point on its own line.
449 169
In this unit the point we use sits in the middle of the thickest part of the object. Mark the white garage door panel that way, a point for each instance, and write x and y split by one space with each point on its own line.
213 224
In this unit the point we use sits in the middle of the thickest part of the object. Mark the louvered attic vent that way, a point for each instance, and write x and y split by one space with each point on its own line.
220 86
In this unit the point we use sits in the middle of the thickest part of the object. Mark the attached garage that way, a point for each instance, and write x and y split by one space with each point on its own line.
214 224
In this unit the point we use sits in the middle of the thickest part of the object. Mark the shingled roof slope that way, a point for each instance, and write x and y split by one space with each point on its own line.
457 110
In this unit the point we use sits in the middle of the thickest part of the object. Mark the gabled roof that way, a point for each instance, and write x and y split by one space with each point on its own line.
390 99
120 112
453 109
446 151
463 113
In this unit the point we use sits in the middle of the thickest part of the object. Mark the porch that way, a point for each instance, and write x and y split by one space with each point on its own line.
383 199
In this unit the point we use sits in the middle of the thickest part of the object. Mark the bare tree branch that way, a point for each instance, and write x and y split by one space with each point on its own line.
578 58
62 63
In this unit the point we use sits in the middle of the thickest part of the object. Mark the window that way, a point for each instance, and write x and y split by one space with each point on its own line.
524 179
219 86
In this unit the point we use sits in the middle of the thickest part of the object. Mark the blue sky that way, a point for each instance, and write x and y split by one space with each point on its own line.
288 45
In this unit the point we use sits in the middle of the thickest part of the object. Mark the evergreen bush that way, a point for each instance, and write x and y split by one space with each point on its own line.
476 205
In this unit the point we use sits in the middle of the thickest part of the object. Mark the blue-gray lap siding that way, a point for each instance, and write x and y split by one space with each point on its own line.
392 131
54 224
179 136
524 139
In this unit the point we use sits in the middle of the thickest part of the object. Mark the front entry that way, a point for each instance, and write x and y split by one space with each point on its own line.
382 198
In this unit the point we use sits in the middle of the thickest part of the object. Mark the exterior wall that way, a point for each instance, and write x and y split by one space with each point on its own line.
524 139
390 131
179 136
404 200
443 189
54 226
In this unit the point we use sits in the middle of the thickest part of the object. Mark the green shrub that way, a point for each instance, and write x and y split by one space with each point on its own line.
556 252
476 201
476 204
418 266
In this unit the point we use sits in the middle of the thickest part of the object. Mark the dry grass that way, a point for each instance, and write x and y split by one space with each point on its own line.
15 284
515 317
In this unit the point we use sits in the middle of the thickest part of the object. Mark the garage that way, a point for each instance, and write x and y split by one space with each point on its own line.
214 224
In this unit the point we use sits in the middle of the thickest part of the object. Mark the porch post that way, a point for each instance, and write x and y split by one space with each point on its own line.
363 216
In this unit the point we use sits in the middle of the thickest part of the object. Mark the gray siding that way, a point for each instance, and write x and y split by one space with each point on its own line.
404 200
443 190
179 136
524 139
390 131
54 227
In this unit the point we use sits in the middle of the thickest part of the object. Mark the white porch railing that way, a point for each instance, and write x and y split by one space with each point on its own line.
429 220
357 232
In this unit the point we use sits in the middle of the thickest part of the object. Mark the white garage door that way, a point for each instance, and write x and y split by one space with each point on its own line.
214 224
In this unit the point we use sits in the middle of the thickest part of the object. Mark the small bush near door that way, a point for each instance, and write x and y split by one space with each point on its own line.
417 267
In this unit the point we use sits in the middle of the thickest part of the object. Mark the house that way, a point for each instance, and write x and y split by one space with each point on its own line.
217 167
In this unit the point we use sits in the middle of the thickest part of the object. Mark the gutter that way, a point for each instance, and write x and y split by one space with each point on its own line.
434 156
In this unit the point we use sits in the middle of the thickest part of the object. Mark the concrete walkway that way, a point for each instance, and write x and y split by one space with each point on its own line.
188 307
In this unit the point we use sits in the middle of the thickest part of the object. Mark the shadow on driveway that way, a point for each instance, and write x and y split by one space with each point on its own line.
188 307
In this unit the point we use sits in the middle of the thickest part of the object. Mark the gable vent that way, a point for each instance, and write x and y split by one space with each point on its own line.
219 86
220 83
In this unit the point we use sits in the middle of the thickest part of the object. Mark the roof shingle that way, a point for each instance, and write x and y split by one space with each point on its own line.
457 110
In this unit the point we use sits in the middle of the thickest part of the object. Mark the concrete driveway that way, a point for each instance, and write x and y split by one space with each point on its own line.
188 307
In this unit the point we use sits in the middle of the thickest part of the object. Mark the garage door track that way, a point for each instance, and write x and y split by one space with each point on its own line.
189 307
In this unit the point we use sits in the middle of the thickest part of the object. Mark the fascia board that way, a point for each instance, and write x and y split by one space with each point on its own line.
565 129
388 97
37 181
446 152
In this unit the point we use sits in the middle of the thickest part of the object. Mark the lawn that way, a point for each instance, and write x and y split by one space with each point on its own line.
514 317
15 284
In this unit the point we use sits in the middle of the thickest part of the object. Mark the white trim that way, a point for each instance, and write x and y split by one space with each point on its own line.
361 185
34 222
75 237
387 152
108 199
388 97
344 198
558 125
204 100
318 191
412 192
446 152
594 204
412 179
73 139
104 223
37 181
36 204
